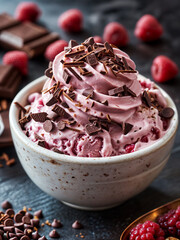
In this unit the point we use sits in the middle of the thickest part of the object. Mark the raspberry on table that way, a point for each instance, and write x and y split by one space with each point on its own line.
71 20
27 11
98 39
18 59
116 34
148 28
54 48
163 69
147 231
170 223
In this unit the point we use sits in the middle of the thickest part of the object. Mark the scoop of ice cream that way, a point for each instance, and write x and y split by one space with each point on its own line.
95 104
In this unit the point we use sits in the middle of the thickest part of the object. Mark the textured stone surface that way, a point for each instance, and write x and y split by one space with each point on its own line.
105 225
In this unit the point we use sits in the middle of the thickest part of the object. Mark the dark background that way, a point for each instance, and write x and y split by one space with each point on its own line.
104 225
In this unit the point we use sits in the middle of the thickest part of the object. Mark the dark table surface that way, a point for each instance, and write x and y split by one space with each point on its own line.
108 225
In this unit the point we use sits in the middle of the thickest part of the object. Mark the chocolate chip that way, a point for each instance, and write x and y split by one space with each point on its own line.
167 112
25 237
49 72
146 99
13 238
28 232
88 93
61 125
66 76
19 225
38 214
9 229
35 222
12 235
92 128
48 125
56 223
6 204
39 117
29 214
77 225
91 59
17 230
126 128
59 111
22 212
28 226
52 101
10 212
26 220
54 234
72 43
35 235
9 222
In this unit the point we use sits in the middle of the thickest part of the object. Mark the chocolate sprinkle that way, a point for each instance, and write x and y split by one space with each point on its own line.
92 128
39 117
73 64
75 74
66 76
52 101
48 125
58 110
49 72
166 112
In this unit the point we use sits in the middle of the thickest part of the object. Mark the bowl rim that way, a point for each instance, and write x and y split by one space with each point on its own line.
14 126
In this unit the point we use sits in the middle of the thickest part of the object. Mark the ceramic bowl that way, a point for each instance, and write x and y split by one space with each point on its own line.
89 183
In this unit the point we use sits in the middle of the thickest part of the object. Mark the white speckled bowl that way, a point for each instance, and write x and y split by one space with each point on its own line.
89 183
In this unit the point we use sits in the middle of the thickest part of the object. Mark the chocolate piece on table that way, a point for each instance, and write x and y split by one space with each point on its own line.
7 21
77 225
28 37
167 112
10 79
38 213
54 234
5 138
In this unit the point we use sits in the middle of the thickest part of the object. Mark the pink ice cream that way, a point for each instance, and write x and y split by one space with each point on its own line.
105 107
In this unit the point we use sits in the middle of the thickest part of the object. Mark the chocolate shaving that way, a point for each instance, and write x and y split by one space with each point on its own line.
92 128
39 117
146 99
49 72
73 129
37 136
61 125
69 96
92 60
48 125
52 101
128 90
75 74
59 111
127 71
24 120
57 93
72 95
72 54
72 43
103 72
42 143
167 112
108 47
89 93
66 76
125 63
126 127
115 91
20 106
89 41
73 64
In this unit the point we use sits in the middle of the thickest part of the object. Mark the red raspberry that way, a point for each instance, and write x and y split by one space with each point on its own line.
98 39
147 231
27 11
18 59
71 20
148 28
115 34
144 139
163 69
129 148
170 223
54 48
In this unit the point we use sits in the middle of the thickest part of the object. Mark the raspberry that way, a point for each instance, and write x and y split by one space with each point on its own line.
71 20
163 69
18 59
27 11
116 34
144 139
147 231
129 148
98 39
54 48
148 28
170 223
